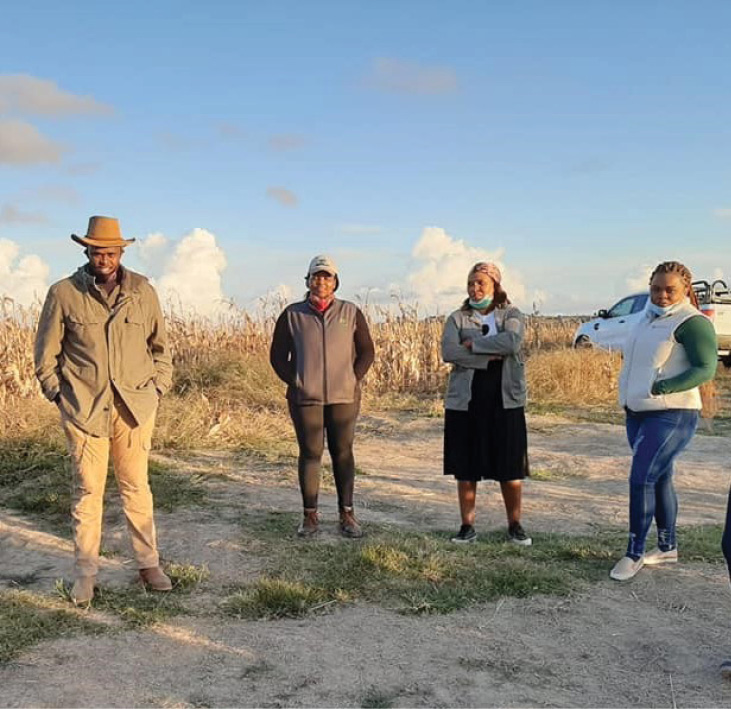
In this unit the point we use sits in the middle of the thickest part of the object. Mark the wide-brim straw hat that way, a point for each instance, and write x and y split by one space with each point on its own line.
102 231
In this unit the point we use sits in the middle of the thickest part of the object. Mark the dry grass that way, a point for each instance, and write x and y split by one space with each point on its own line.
226 395
570 377
17 328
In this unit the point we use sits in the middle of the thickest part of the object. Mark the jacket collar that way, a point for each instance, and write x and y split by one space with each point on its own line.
129 282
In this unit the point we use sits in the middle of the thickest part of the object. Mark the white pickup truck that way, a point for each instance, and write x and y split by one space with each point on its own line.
610 328
714 300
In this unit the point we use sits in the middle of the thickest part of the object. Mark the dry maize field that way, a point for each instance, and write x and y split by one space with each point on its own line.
408 357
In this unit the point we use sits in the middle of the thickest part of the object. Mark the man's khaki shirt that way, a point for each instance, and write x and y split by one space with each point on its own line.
87 349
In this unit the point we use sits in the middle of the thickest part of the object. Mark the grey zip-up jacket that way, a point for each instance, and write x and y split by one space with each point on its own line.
321 356
464 325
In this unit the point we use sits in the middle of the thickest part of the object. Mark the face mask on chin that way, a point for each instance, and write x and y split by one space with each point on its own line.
480 304
660 310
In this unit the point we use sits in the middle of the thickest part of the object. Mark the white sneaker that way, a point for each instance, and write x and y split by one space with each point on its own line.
656 556
626 568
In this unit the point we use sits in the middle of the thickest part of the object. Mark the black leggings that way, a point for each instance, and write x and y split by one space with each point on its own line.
310 424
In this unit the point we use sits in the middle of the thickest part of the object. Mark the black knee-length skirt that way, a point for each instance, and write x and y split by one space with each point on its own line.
486 442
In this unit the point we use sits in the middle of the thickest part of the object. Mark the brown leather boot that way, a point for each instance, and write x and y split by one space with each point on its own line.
349 526
155 579
83 590
310 524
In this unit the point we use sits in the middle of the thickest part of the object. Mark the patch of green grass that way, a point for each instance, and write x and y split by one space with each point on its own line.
36 479
186 577
34 476
412 572
701 543
137 607
275 598
28 618
172 490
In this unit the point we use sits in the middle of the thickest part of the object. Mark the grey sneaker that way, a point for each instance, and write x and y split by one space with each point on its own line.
310 524
657 556
517 535
466 535
626 568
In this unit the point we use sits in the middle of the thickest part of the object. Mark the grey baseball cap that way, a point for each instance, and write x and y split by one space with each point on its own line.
322 262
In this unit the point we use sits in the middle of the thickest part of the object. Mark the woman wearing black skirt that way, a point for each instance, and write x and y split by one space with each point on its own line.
484 429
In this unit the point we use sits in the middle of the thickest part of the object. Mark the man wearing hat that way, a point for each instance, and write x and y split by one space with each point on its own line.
102 357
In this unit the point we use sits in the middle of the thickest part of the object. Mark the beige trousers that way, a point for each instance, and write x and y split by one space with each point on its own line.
130 446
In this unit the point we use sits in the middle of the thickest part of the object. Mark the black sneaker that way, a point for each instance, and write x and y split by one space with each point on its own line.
466 535
517 535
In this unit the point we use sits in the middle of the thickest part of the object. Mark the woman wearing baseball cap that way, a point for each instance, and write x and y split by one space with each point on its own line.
484 425
322 349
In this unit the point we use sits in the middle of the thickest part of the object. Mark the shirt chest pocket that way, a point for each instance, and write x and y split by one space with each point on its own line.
84 327
134 317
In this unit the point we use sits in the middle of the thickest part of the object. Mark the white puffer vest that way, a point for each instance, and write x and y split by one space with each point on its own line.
651 353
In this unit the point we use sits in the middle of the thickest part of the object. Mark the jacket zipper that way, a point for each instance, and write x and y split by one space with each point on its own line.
324 360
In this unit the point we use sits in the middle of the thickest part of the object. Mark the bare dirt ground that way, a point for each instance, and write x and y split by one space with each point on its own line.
655 641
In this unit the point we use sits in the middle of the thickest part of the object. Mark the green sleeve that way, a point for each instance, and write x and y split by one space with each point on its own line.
699 340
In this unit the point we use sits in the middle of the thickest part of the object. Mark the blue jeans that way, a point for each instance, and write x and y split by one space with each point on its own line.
656 438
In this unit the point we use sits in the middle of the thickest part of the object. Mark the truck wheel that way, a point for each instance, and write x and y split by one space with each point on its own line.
583 342
726 361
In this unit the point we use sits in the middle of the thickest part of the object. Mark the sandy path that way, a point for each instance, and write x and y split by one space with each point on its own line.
656 641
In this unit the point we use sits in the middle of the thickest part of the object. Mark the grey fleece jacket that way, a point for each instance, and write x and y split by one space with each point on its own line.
464 325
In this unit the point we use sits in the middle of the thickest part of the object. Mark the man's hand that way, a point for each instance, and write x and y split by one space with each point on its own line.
467 344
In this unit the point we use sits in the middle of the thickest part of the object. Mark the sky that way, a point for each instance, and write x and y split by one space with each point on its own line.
576 143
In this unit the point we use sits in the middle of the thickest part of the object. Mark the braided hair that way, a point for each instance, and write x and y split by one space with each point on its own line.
708 390
683 272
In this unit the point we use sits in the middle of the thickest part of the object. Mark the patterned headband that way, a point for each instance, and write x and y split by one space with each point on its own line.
489 269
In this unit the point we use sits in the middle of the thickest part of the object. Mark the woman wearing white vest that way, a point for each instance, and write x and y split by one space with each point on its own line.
670 354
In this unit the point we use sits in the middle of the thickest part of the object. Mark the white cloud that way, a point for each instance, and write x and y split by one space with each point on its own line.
151 250
440 264
23 144
191 277
11 215
285 197
401 77
20 93
637 280
26 280
722 212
